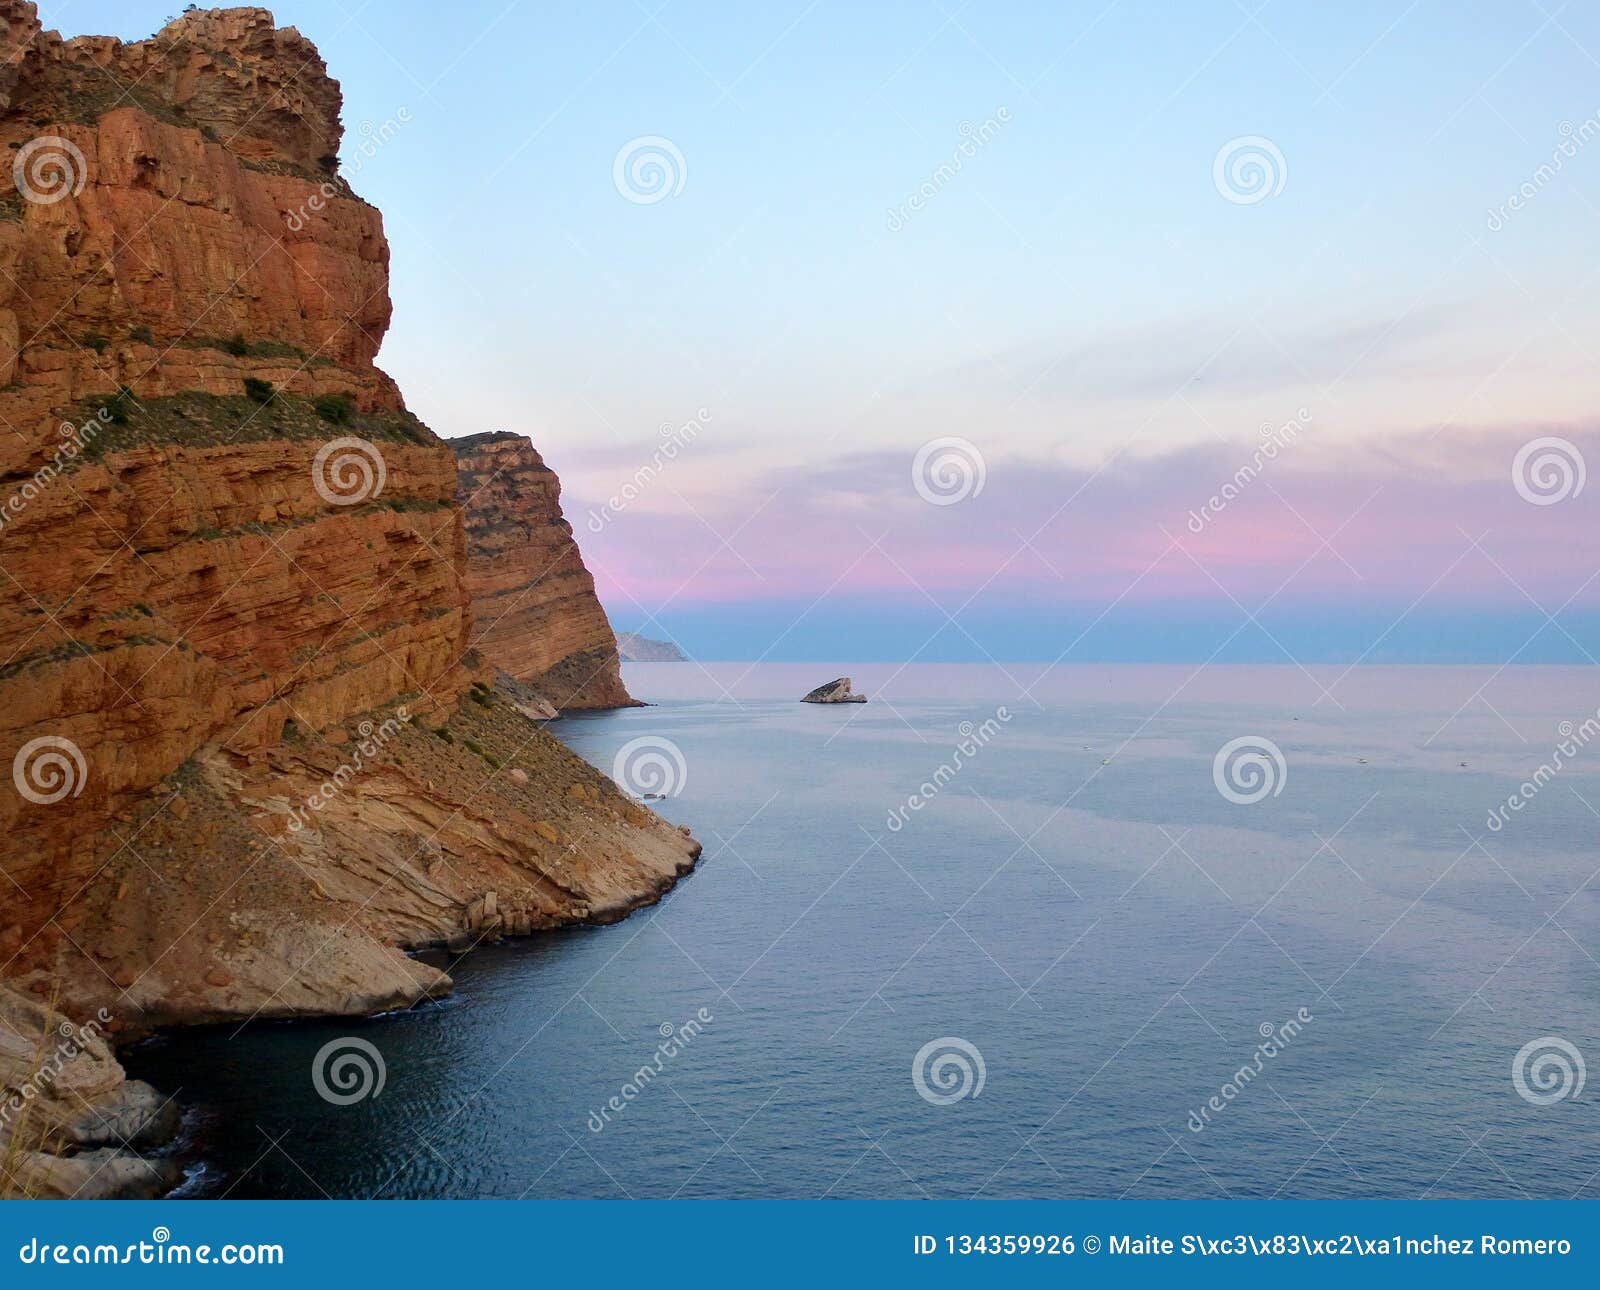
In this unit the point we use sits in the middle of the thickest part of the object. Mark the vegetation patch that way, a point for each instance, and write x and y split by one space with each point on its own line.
339 409
82 95
198 420
241 346
119 407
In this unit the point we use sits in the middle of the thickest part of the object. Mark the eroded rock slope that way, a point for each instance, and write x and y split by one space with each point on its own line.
255 757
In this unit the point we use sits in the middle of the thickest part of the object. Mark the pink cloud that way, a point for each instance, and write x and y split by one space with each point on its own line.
1378 527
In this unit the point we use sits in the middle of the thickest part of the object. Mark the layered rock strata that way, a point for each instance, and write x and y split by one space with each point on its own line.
534 608
71 1123
255 758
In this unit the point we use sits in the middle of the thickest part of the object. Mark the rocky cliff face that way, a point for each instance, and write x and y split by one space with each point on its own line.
70 1122
254 757
534 609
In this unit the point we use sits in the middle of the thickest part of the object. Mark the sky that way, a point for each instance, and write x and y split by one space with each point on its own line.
935 331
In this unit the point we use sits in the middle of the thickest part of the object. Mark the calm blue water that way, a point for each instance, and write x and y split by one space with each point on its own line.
1078 903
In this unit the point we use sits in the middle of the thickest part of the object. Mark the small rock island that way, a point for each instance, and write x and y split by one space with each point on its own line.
840 691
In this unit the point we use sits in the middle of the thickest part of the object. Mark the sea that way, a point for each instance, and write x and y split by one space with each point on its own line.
1006 931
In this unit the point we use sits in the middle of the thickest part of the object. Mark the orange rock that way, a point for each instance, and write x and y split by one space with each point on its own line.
533 600
209 606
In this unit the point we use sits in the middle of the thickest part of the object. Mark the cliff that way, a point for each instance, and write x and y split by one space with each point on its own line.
534 609
254 756
71 1122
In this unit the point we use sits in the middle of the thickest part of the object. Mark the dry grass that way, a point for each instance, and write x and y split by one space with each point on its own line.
28 1132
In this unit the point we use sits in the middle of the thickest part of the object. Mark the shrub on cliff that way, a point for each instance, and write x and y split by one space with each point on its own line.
119 406
337 408
259 391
